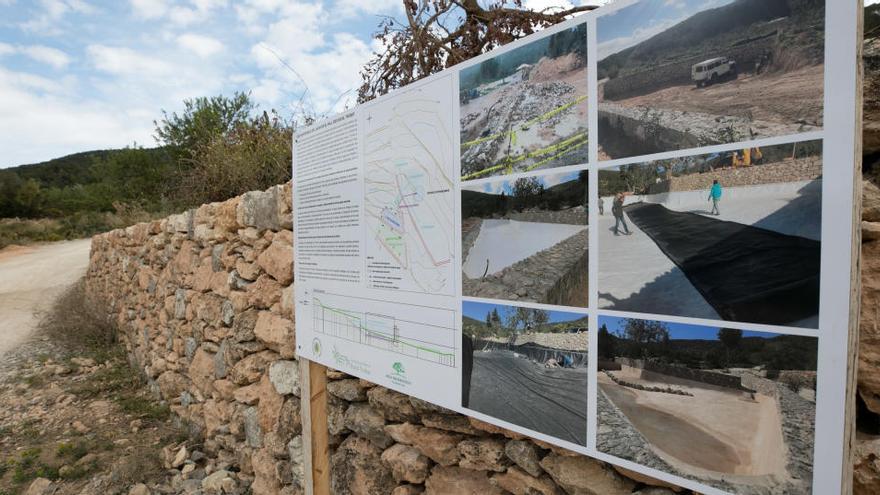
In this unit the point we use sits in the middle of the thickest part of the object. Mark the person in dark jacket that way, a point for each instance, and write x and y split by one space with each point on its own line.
617 211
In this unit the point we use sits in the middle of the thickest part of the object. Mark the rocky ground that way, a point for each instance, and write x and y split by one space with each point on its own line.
78 421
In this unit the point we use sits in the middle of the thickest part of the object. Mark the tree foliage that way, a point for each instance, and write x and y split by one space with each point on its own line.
202 120
436 34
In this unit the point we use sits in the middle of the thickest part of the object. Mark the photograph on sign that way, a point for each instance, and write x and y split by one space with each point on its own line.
730 408
527 366
732 235
525 239
526 109
703 72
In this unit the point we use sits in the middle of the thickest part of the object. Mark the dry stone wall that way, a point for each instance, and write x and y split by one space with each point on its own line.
804 169
203 302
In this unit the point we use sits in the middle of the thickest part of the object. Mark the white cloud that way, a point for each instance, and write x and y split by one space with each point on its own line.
6 49
371 7
203 46
52 12
149 9
39 121
46 54
124 61
615 45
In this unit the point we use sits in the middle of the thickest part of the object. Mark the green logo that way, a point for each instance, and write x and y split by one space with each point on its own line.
316 347
398 368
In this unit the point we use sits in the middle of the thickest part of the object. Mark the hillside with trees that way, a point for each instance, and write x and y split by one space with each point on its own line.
721 27
216 148
643 339
527 193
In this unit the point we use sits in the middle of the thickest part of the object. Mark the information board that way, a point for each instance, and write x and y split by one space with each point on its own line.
629 235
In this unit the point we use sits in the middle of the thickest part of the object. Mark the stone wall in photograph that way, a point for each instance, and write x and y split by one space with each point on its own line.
697 375
803 169
570 216
553 276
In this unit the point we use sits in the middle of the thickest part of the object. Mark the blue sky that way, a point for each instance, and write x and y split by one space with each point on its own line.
680 331
77 75
495 187
478 310
634 24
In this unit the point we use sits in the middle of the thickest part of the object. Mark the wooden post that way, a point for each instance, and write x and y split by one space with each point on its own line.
316 450
849 431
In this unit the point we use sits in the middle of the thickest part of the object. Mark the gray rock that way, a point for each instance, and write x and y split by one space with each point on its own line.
526 455
252 431
284 376
368 423
180 304
259 209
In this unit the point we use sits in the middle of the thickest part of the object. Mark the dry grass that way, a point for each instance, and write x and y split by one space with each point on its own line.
81 323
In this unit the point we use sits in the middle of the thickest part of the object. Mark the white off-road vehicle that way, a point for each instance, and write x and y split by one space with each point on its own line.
713 70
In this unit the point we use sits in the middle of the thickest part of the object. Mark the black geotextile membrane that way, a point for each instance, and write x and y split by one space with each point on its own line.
746 273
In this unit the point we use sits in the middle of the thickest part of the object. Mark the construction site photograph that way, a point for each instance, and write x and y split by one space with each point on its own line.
527 367
527 239
731 236
708 72
732 409
526 108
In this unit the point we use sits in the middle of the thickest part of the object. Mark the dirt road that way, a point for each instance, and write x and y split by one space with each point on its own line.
792 97
30 279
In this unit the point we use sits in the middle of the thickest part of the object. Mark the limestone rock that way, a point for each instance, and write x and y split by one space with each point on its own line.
357 469
139 489
454 480
439 445
408 490
393 405
201 371
40 486
368 423
584 476
524 454
350 390
266 480
277 261
869 328
258 209
406 463
219 482
866 466
646 480
285 377
277 333
251 368
518 482
483 454
269 407
870 202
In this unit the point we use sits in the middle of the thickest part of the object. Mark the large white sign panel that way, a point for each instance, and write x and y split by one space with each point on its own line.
628 235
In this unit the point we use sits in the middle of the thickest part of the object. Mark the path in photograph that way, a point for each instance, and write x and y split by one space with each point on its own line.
764 276
754 260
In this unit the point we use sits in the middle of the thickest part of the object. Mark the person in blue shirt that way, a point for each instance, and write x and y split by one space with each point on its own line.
715 197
